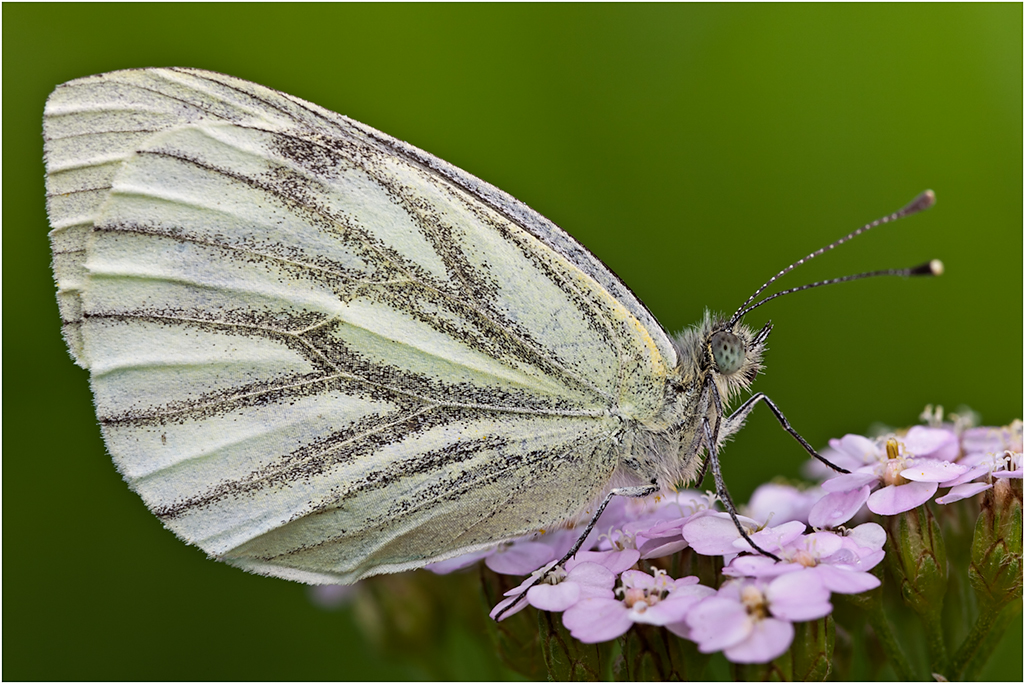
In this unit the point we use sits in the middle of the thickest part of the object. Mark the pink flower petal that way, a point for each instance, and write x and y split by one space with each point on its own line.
814 469
662 547
868 535
663 514
836 508
769 639
665 528
869 560
859 550
522 558
528 581
595 620
850 481
554 597
592 574
821 544
692 595
797 597
616 561
858 449
972 460
671 609
713 535
992 439
638 579
855 557
509 613
938 443
585 580
963 491
717 623
841 581
686 582
458 563
772 538
932 470
891 500
777 503
758 566
562 540
974 472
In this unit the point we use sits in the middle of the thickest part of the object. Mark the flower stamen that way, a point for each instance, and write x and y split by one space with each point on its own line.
754 602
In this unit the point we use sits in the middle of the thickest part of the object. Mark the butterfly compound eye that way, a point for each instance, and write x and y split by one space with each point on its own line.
728 352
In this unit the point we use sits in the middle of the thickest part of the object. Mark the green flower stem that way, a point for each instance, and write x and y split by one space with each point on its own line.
936 642
980 642
917 558
894 653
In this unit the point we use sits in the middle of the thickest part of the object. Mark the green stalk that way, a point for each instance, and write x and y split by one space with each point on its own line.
937 645
894 653
979 644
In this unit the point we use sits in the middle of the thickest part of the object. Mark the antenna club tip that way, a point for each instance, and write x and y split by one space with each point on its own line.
929 268
924 200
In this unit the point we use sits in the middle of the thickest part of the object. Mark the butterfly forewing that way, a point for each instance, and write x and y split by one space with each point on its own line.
317 352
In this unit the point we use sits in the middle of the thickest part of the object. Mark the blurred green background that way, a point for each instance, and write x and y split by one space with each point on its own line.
697 149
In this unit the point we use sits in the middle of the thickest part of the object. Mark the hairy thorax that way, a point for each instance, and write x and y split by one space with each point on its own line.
668 449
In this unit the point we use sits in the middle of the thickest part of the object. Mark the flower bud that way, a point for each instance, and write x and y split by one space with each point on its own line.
996 567
918 560
568 659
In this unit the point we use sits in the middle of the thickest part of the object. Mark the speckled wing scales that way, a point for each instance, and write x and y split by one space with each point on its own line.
320 353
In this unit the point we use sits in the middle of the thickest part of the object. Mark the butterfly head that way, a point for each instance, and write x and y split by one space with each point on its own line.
733 354
730 352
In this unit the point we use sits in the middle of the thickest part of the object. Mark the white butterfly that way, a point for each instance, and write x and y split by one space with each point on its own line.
320 353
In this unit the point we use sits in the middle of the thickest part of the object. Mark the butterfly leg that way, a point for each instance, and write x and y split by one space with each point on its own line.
724 495
701 473
738 416
642 490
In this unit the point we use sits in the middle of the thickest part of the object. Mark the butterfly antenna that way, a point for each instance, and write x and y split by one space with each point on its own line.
922 202
929 268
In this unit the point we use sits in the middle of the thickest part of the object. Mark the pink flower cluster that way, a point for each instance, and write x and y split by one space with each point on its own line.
895 474
750 617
